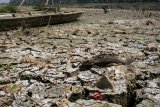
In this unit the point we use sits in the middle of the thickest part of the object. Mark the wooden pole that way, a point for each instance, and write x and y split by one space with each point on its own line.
21 4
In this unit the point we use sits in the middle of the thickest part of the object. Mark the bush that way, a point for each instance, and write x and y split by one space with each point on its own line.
8 9
38 7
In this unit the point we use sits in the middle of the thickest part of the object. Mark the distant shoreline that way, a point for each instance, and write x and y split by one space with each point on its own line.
2 4
151 6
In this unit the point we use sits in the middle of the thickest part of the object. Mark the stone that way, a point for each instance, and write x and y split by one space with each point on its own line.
72 80
57 91
76 92
153 57
117 31
103 83
6 101
150 94
158 38
70 70
87 77
52 75
140 83
92 103
152 47
98 71
23 65
22 101
147 103
134 53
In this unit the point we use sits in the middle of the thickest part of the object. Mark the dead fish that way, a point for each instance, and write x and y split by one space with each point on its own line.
103 61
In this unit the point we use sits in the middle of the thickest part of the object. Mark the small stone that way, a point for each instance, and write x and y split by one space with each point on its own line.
72 80
6 101
97 70
152 47
117 31
158 39
153 57
92 103
104 83
87 77
23 65
2 93
146 103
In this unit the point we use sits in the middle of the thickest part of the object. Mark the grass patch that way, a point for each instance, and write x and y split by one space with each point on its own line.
8 9
6 67
38 8
13 88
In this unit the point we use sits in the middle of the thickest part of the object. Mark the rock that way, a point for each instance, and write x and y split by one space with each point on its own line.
154 70
102 60
110 22
119 78
23 65
52 75
6 101
23 82
152 47
57 91
117 31
36 89
13 88
92 103
70 71
76 92
150 94
72 80
150 22
6 61
63 103
141 83
87 78
147 103
158 38
103 83
23 101
154 83
134 53
153 57
27 74
2 93
7 80
98 71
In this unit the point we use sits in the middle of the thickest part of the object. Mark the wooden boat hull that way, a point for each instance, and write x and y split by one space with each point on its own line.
39 20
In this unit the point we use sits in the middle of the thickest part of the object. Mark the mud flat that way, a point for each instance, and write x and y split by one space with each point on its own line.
109 60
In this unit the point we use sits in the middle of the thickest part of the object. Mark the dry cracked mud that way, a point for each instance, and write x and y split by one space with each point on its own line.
102 60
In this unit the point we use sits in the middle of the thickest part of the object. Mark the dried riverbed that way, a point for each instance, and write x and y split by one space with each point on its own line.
58 65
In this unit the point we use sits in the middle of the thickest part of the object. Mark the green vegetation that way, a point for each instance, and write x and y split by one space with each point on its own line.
38 7
13 88
6 67
131 85
8 9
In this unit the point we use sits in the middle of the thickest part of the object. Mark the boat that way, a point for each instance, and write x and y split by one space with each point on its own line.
9 23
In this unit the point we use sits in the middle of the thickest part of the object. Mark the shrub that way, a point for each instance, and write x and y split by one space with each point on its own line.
38 7
8 9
